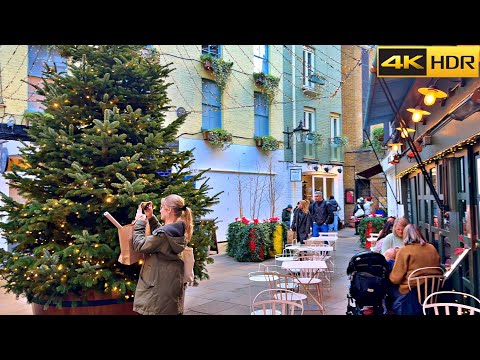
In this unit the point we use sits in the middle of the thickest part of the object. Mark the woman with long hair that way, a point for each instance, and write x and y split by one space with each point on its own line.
160 288
386 230
416 253
302 221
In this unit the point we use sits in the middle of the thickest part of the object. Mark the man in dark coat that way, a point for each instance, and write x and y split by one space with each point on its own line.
322 214
286 213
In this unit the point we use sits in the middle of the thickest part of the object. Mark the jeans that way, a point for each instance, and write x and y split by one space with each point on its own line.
316 229
334 226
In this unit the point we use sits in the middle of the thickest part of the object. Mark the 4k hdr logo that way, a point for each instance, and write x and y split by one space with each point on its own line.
428 61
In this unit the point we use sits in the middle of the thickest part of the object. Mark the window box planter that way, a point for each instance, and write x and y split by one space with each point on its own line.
259 141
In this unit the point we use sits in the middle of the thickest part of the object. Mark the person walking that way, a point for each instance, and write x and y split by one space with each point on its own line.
322 214
302 221
336 208
286 215
358 213
160 288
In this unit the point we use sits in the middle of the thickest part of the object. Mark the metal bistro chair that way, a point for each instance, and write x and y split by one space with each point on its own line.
462 304
276 302
427 280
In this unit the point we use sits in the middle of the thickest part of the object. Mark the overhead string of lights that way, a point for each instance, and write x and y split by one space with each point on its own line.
175 83
11 56
344 52
317 70
200 76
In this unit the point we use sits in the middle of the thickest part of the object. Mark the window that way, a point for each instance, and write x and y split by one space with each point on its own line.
308 66
260 58
309 119
335 126
38 55
261 114
213 50
211 103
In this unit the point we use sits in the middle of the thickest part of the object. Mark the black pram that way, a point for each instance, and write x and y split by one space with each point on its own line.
368 272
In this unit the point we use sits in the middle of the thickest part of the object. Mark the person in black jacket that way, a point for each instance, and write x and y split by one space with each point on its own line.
322 214
302 221
286 213
336 208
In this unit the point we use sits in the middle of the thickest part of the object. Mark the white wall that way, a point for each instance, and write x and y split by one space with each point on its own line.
248 163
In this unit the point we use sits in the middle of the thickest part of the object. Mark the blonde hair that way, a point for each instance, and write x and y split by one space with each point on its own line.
304 206
180 210
412 235
400 221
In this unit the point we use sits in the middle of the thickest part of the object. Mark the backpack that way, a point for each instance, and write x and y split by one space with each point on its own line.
188 262
368 289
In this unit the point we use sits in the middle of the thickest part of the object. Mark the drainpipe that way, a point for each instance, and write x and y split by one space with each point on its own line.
294 109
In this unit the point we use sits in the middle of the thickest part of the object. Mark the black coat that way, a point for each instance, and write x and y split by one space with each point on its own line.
322 213
301 224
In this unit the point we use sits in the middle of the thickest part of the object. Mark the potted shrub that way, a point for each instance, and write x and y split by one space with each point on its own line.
207 61
268 83
218 138
268 143
221 69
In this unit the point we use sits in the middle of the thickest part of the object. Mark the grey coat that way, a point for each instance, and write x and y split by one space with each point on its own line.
160 289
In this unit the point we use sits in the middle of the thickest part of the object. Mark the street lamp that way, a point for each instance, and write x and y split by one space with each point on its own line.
300 134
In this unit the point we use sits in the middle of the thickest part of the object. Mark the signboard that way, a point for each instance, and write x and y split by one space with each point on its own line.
295 174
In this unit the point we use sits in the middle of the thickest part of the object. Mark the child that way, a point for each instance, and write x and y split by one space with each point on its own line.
390 255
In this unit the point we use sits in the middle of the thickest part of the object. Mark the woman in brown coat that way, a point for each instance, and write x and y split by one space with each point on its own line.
160 288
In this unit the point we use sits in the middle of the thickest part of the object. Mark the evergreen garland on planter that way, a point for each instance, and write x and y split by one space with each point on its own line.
377 225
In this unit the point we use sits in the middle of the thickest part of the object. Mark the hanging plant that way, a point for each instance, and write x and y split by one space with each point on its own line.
317 138
268 143
268 83
218 138
221 68
342 140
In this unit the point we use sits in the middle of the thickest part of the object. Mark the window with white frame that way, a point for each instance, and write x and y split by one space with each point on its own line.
335 125
260 58
211 105
262 121
308 66
213 50
309 118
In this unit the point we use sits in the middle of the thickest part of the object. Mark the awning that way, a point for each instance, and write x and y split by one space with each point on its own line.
368 173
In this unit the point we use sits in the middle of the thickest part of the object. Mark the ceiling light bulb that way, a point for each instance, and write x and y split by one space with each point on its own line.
430 98
417 116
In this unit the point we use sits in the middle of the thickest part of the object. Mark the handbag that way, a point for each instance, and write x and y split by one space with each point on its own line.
128 255
188 262
359 213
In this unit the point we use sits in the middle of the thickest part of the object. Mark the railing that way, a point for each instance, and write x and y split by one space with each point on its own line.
333 151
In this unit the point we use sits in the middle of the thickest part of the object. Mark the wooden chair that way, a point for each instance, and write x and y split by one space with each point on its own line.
463 304
276 302
427 280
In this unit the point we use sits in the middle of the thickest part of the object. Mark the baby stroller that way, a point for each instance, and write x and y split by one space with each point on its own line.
368 272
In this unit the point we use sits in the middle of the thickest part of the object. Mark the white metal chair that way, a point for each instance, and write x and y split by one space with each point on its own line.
427 280
464 304
276 302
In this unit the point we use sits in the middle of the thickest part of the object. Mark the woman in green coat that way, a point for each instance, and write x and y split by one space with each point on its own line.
160 288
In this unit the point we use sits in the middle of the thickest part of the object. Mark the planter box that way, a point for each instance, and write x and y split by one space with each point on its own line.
97 304
259 142
207 65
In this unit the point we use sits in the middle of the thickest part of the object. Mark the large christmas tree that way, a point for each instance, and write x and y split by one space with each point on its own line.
101 144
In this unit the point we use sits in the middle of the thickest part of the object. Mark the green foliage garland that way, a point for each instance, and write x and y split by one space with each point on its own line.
268 83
